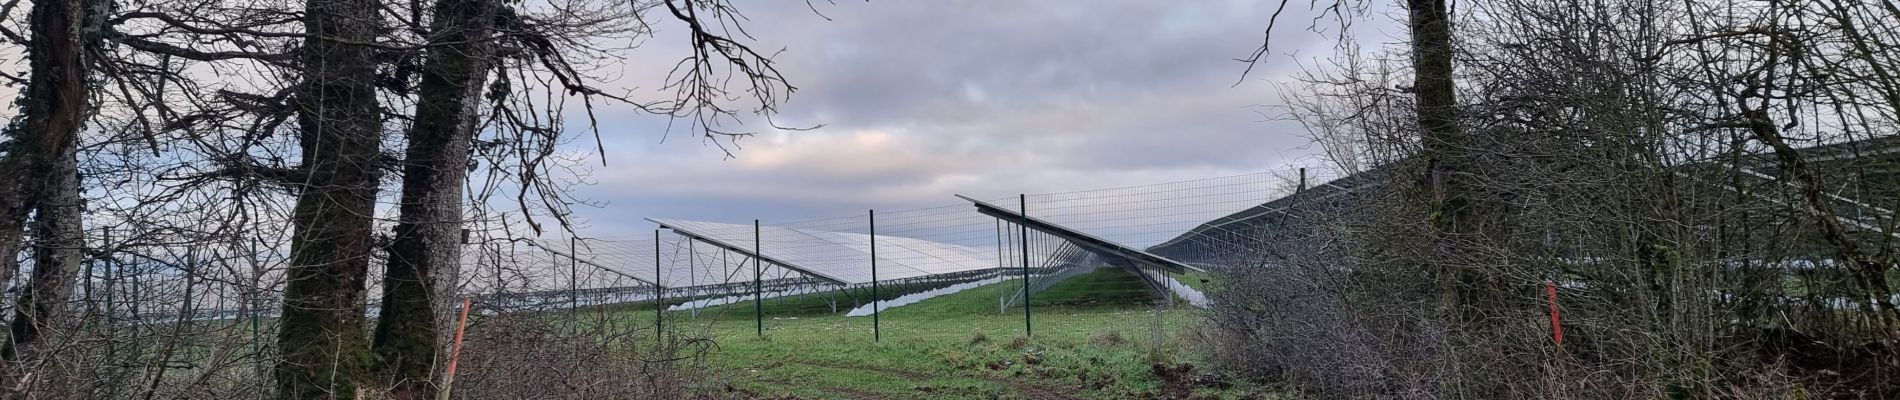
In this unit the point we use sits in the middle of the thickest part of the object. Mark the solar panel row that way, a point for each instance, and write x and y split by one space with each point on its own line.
840 257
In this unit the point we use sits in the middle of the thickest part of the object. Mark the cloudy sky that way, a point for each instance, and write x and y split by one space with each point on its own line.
924 99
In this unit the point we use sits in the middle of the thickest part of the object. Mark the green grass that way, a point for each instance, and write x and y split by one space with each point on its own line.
1102 287
1093 339
1199 280
1097 335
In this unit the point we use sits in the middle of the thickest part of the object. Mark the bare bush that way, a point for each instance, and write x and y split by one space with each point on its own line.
520 357
1702 193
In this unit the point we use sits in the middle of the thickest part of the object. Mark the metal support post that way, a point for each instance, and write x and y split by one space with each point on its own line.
692 271
1002 291
573 276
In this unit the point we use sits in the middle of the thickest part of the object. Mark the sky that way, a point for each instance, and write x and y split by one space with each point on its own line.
920 100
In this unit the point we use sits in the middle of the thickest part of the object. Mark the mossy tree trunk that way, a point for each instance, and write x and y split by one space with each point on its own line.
321 337
1446 145
42 175
1445 142
40 318
53 108
427 247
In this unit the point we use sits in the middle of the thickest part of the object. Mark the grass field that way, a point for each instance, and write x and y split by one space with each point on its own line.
1096 336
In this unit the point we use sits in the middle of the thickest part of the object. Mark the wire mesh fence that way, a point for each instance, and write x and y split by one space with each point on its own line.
1108 241
1159 236
1280 250
178 314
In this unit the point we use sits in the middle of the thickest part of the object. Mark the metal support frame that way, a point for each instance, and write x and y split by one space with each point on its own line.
1001 262
573 273
692 268
1085 240
754 253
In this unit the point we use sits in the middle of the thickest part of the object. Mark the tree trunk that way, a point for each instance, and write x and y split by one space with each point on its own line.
1446 151
38 152
427 246
59 245
53 109
1449 193
321 332
1445 143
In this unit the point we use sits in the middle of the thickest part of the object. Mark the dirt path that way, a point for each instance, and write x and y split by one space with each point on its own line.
1033 391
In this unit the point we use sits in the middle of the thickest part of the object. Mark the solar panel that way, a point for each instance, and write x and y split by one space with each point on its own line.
529 269
839 256
681 263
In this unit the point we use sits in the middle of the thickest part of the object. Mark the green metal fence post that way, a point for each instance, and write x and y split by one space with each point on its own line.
876 335
758 281
659 292
1023 208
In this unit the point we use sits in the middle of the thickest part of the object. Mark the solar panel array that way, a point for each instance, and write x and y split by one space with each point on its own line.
1248 237
949 241
841 257
680 262
1143 216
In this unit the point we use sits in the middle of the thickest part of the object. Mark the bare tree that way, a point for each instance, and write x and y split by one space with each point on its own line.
429 235
340 132
39 153
41 314
54 107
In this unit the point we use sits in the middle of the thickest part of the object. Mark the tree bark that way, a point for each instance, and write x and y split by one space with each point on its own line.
427 248
59 246
39 153
1449 193
1445 142
1447 154
53 109
321 337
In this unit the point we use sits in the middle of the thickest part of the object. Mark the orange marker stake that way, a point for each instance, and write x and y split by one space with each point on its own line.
456 353
1556 320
